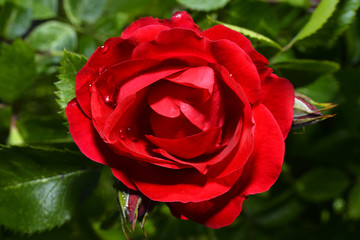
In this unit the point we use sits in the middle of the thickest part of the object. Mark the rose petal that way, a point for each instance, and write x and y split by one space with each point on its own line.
171 128
175 44
189 147
89 141
243 69
185 185
278 97
208 114
219 32
179 20
215 213
264 167
115 50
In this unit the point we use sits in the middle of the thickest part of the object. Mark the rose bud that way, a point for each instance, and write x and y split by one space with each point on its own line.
192 118
306 113
134 206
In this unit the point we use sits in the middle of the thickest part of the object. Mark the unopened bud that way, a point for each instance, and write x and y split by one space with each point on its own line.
134 207
306 111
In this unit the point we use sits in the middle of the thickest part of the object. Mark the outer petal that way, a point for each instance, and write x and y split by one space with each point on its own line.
264 167
180 185
215 213
178 20
89 142
219 32
114 50
278 96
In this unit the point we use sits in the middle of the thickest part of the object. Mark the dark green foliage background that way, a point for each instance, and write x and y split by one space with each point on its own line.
49 190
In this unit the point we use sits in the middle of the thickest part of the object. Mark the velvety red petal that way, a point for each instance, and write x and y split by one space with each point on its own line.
171 128
215 213
113 51
192 146
208 114
219 32
264 167
237 129
89 141
243 69
278 97
175 44
184 185
178 20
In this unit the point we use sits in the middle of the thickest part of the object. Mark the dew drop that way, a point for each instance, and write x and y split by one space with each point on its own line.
102 70
132 132
107 99
122 134
104 48
230 75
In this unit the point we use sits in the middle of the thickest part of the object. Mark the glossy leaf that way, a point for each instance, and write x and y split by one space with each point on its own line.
53 35
335 26
15 20
70 64
18 70
41 188
204 5
322 13
322 184
88 11
323 89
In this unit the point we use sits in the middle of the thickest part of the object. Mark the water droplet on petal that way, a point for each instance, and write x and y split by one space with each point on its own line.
132 132
102 69
104 48
107 99
90 87
122 134
230 75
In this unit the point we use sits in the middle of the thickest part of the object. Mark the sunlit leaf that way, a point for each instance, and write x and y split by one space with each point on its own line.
319 17
70 64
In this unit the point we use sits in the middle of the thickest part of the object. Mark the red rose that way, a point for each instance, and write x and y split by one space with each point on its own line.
192 118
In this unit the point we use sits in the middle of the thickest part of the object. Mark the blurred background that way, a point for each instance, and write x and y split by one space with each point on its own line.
48 190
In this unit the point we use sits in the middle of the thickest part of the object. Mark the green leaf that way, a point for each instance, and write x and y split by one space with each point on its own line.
335 26
41 189
303 71
88 11
44 9
321 14
204 5
353 210
70 64
322 184
14 20
18 70
248 33
53 35
322 90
